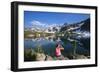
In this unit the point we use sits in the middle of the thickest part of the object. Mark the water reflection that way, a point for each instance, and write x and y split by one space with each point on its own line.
71 45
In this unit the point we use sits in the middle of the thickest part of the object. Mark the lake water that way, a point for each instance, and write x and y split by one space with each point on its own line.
79 45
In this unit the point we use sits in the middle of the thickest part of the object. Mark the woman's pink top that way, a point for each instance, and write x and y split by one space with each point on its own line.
58 51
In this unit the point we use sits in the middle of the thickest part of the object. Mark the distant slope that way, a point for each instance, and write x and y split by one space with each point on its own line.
86 25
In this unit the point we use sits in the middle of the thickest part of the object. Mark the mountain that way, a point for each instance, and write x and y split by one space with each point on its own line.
49 29
82 26
86 25
52 28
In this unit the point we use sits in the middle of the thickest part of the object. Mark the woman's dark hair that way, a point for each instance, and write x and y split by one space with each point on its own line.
57 44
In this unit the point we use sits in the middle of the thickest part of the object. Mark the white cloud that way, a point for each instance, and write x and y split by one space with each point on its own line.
41 25
37 23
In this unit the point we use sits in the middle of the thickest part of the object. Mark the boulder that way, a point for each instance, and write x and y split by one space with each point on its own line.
81 57
48 58
40 56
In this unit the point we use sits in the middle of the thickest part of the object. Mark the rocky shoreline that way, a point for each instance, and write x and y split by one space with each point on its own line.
30 55
42 57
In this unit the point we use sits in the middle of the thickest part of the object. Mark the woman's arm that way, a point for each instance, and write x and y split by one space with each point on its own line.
62 48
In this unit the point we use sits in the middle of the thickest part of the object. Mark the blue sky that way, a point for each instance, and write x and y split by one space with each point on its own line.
49 18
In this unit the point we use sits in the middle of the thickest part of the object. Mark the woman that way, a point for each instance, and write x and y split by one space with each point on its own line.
58 52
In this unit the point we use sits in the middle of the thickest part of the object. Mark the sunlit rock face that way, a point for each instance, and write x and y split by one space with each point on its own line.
78 30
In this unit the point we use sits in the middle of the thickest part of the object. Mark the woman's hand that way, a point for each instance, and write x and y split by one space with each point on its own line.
62 48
